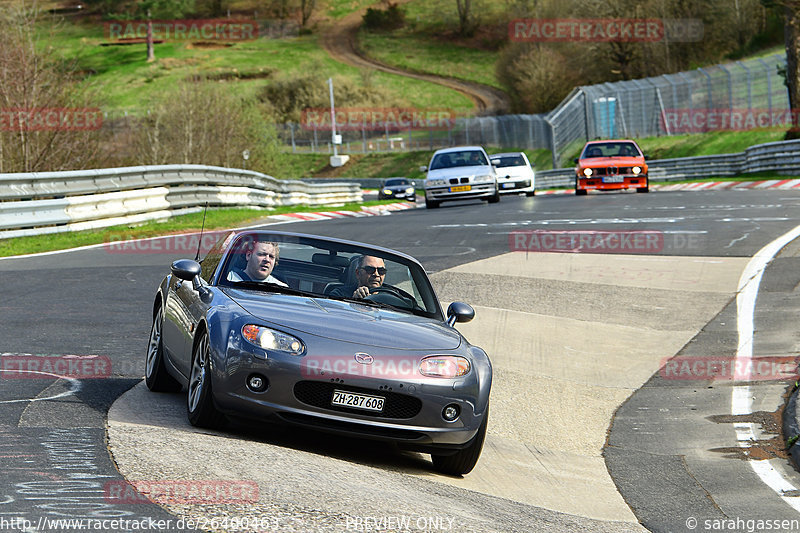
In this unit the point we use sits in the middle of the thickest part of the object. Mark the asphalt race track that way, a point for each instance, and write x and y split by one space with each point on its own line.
591 428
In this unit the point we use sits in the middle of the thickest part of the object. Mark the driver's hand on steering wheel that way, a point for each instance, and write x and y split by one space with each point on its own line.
361 292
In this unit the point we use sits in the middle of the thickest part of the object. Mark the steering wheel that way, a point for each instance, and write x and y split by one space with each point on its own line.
389 294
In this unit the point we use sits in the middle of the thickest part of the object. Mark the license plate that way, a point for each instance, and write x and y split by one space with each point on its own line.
614 179
461 188
357 401
508 185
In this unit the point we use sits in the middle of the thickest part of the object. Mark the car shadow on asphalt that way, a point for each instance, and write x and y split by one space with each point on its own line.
168 410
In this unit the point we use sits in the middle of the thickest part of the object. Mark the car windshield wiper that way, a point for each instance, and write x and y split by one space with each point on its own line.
273 287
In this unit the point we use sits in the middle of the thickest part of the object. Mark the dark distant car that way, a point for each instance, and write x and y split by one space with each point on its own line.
397 188
390 366
611 165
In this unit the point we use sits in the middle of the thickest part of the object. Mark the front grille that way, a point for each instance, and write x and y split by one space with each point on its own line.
319 394
612 171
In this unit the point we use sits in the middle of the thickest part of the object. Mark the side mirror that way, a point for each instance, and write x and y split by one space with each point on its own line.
575 160
423 168
185 269
646 157
459 312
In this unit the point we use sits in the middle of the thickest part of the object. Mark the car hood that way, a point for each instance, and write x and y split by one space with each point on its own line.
397 187
348 321
611 162
457 172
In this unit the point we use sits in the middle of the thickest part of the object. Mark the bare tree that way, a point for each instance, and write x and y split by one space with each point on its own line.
791 33
203 123
306 10
47 119
464 8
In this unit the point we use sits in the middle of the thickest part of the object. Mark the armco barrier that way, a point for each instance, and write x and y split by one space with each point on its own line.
52 202
779 157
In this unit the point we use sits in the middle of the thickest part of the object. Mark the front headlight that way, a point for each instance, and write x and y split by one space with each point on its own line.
410 190
387 191
483 179
636 170
435 183
271 339
444 366
587 172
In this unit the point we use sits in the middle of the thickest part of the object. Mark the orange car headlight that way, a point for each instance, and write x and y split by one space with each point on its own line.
587 172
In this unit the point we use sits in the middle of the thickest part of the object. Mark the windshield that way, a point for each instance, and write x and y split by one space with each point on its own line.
315 267
465 158
623 149
508 161
390 183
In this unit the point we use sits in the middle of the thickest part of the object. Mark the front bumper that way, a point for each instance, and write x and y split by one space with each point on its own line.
514 186
287 399
616 183
441 194
400 195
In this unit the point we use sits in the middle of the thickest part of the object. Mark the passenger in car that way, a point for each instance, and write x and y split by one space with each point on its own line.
369 273
261 259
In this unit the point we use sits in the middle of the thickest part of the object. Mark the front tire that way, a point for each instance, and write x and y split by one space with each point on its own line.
200 406
646 187
530 193
431 204
464 460
496 198
156 375
579 192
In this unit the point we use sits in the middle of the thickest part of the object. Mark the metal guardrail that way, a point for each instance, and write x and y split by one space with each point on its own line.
53 202
780 157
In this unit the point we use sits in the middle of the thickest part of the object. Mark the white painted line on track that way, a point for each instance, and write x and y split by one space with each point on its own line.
74 386
741 395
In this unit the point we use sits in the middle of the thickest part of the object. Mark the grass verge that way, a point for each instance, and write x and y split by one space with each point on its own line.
216 219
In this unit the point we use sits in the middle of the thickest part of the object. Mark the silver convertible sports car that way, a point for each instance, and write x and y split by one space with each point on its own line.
324 333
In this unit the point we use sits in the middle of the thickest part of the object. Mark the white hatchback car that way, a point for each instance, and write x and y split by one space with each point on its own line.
514 173
460 173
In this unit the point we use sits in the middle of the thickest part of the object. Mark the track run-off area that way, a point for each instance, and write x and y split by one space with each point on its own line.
626 333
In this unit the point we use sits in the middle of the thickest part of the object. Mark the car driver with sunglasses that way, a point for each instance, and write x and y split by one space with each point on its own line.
370 274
